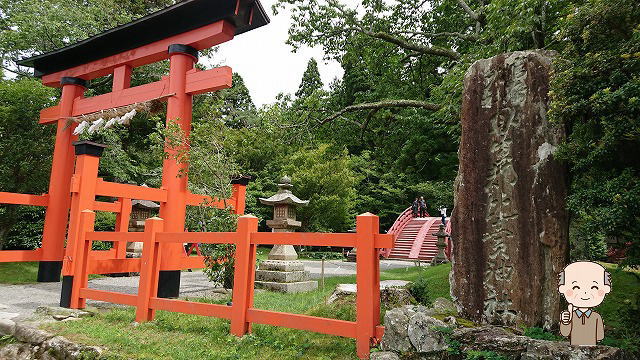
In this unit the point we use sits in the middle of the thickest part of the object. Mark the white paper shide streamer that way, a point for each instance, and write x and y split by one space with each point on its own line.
81 128
100 124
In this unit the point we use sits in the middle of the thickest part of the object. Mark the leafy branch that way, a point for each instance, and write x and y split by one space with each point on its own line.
376 106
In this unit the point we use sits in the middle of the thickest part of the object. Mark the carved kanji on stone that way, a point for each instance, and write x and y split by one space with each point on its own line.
510 223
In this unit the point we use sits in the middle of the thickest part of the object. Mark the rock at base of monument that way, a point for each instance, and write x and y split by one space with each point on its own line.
282 276
294 287
384 355
393 291
438 261
414 333
281 265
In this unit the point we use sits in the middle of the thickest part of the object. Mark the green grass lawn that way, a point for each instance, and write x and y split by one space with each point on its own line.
18 273
23 273
625 286
621 326
190 337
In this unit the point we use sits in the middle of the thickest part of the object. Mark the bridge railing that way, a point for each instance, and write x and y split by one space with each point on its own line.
397 226
366 330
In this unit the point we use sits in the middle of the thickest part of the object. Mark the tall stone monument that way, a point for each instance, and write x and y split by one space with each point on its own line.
282 271
509 224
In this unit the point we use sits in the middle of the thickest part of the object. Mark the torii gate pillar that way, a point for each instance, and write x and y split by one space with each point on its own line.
174 178
57 215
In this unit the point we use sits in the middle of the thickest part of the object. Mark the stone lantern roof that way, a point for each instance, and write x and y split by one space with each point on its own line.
284 195
145 204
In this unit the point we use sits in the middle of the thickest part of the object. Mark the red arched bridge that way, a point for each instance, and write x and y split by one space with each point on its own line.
415 239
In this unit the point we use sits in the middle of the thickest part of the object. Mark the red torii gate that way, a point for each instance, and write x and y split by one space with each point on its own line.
176 33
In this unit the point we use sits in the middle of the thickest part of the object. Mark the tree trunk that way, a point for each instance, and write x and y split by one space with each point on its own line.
510 224
3 232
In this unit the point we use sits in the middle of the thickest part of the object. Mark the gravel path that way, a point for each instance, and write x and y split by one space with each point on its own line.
19 302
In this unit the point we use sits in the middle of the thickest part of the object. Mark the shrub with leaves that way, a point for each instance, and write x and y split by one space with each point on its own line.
105 221
28 235
541 334
219 258
419 289
319 255
211 170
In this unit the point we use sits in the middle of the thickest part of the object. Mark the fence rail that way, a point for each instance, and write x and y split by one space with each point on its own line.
24 199
366 330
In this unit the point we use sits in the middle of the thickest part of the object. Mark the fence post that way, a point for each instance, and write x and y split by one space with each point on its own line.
243 278
367 295
81 263
149 269
83 196
122 225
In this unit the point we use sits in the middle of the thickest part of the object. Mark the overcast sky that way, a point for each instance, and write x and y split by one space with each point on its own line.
267 64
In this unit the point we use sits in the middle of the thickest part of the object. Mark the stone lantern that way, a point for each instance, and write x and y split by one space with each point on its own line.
282 271
440 258
284 217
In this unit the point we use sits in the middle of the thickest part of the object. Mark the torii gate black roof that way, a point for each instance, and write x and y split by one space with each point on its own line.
176 19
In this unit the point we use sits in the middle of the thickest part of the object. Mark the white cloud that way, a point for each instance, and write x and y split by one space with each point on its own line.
267 64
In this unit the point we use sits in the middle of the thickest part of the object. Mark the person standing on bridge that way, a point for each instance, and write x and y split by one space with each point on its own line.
423 207
443 213
415 207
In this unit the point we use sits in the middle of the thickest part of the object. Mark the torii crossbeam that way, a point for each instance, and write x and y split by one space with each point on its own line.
176 33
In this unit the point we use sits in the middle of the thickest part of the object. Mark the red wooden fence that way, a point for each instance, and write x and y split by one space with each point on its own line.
366 330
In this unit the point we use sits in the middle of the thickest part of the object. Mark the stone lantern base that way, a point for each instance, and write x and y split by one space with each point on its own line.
287 276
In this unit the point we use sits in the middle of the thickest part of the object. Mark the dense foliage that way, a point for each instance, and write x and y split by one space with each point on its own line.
596 94
24 147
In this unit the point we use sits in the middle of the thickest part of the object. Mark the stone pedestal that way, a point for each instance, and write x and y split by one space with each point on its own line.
509 223
286 276
283 252
282 272
134 249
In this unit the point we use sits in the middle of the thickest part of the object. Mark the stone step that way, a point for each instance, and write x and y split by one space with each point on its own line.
281 265
292 287
282 276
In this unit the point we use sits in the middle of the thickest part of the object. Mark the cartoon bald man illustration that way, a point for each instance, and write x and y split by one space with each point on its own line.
584 284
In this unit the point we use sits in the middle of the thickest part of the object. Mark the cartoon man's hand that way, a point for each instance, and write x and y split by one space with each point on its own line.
566 316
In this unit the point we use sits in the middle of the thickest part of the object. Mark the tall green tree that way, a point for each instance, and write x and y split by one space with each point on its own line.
234 106
444 35
25 146
237 109
37 26
596 95
311 80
